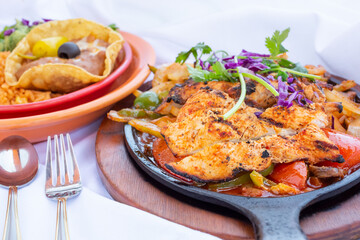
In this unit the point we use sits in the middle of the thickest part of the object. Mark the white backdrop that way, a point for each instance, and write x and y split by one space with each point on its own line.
322 32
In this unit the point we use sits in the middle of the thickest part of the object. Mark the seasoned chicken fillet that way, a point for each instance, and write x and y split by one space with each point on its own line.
295 117
205 99
180 93
256 94
200 122
222 161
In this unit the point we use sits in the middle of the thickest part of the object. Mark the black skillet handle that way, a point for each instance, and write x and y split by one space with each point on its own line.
281 223
273 218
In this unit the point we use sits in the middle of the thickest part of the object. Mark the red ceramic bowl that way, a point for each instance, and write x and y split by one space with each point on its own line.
69 100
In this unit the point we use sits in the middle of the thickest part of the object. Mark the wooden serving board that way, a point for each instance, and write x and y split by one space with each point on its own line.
336 218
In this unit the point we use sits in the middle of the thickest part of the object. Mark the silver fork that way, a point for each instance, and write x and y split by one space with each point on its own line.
67 183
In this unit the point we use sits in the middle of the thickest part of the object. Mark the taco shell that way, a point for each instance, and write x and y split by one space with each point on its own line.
61 77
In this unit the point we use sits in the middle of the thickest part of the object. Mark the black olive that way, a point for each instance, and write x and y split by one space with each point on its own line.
68 50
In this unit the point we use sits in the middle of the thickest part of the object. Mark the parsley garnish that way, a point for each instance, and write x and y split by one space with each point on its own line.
113 26
201 47
219 73
274 43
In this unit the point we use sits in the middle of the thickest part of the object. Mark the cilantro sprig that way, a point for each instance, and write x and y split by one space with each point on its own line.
218 73
274 44
113 26
200 47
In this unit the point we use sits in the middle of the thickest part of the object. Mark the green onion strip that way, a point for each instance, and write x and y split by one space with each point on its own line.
262 82
290 71
299 73
241 98
243 91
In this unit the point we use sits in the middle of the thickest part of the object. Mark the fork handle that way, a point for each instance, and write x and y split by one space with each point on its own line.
62 230
12 228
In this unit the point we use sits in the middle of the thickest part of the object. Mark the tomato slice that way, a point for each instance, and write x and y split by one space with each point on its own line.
349 147
294 173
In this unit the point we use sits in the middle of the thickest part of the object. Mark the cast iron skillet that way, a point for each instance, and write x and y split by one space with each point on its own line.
273 218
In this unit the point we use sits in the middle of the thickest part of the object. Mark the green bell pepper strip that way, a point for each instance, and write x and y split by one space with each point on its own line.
261 181
243 179
267 171
147 100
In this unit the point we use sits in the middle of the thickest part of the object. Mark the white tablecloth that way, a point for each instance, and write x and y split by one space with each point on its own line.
322 32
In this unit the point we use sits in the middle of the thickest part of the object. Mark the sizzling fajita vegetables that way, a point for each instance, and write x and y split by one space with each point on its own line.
248 124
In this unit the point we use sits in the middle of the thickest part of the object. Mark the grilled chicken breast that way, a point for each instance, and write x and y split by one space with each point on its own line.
180 93
216 150
295 117
200 122
223 161
256 94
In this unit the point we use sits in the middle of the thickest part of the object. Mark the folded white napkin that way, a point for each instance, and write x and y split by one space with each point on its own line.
90 216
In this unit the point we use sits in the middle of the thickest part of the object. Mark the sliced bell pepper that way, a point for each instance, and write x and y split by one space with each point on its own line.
147 127
128 114
349 147
294 173
243 179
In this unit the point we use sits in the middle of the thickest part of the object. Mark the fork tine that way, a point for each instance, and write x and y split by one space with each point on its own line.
49 180
65 161
76 172
57 159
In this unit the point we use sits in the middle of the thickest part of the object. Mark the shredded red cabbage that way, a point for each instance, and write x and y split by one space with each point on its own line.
232 62
9 32
228 58
254 65
266 79
308 101
215 56
270 77
299 100
292 98
25 22
251 54
245 70
257 114
332 122
292 87
285 100
283 92
205 66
